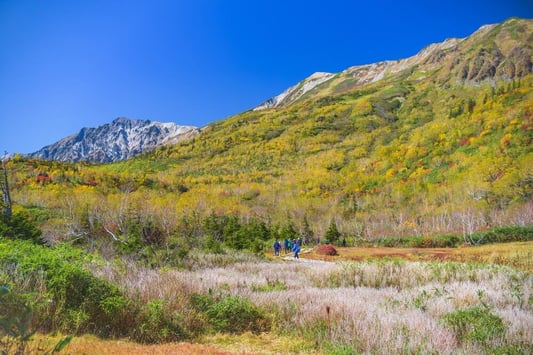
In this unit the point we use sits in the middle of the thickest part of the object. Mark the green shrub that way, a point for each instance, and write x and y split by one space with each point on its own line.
107 312
450 240
507 234
213 245
332 234
476 324
270 286
235 314
16 324
19 226
511 350
80 301
230 314
334 348
440 241
157 325
495 235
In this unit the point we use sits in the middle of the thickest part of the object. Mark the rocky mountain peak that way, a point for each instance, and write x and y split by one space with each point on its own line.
121 139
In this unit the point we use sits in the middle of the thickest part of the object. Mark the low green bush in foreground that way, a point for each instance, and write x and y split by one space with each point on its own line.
15 325
476 324
64 295
230 314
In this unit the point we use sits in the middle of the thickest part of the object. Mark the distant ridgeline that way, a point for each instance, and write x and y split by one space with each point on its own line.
121 139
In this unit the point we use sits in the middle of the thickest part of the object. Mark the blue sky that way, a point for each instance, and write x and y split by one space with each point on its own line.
69 64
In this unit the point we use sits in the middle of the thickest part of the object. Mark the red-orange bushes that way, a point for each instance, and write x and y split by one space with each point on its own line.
326 249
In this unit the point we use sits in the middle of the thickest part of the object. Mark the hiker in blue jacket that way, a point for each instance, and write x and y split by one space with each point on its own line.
277 248
296 250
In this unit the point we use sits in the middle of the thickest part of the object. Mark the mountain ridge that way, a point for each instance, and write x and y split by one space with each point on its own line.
505 59
508 63
121 139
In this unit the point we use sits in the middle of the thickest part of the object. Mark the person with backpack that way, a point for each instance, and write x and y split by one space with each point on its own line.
296 250
277 248
286 246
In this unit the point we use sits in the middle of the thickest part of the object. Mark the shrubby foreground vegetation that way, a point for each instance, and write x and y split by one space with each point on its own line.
382 306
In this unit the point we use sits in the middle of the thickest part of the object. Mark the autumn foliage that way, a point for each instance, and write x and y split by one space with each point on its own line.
317 161
326 249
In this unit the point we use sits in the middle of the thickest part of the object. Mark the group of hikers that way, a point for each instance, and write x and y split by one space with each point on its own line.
288 246
294 246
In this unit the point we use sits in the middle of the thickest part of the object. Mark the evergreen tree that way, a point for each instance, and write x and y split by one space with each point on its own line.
332 234
288 231
232 237
19 226
307 232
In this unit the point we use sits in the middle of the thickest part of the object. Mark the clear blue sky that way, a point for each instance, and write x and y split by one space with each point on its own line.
70 64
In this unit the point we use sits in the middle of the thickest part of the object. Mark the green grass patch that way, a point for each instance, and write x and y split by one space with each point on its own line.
476 324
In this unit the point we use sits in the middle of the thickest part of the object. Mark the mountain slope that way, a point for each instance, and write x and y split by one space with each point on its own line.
494 51
424 140
295 92
436 143
121 139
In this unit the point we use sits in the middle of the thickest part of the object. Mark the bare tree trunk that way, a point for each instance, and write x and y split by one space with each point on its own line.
5 192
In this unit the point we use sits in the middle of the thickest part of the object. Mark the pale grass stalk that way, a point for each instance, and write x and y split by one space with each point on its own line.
358 315
519 322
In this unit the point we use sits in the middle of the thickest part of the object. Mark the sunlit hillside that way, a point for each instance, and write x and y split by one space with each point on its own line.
436 143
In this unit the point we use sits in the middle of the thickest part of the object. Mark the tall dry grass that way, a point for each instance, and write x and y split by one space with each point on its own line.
376 307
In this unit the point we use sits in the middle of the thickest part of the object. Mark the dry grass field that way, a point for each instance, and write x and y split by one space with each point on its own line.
518 255
365 300
90 345
244 344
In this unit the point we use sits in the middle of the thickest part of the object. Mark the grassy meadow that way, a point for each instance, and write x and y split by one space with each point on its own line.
518 254
391 301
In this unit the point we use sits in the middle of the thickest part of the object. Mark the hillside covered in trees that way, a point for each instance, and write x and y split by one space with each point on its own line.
433 144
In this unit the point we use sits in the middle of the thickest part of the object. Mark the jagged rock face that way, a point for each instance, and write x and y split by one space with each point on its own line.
121 139
482 65
518 63
493 51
